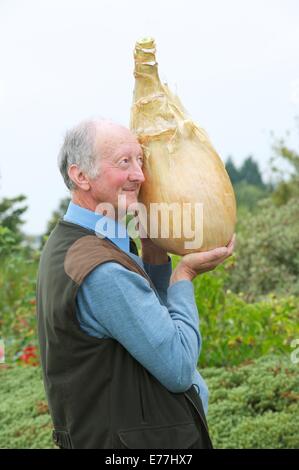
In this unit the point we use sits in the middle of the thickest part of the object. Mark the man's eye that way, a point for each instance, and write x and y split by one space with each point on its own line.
124 161
140 161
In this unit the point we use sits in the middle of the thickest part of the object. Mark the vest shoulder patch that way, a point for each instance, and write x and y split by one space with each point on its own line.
88 252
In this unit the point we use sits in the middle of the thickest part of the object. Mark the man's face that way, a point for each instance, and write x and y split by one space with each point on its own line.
120 162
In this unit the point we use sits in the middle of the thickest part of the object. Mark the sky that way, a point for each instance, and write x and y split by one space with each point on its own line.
234 64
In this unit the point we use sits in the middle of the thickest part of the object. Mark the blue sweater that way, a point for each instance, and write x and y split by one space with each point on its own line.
159 329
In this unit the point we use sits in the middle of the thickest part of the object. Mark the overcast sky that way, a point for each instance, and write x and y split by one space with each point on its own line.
234 64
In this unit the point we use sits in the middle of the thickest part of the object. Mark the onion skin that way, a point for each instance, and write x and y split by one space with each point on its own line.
180 164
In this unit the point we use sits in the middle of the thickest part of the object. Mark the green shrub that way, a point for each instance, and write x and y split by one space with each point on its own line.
254 405
248 195
8 242
267 252
24 414
234 330
18 303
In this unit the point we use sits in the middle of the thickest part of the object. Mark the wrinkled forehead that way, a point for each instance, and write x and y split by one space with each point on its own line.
117 139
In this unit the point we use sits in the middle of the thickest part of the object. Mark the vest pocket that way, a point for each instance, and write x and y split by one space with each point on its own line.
177 436
62 439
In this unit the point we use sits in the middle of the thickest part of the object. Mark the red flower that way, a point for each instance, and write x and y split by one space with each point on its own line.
29 356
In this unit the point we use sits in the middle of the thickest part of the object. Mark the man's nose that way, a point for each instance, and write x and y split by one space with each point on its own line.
136 173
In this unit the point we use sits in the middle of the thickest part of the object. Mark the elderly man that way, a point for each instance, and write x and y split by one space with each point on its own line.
119 335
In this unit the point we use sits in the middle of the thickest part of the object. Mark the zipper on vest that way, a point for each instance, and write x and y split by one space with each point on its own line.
199 413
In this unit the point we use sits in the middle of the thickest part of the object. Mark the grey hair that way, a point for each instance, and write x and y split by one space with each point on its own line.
78 149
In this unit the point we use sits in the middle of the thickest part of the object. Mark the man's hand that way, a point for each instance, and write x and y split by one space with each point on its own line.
197 263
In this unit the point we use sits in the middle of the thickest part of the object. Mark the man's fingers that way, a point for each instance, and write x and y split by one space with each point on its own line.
231 243
212 265
207 263
214 255
209 260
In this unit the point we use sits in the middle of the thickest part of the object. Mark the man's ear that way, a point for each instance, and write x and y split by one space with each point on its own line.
78 177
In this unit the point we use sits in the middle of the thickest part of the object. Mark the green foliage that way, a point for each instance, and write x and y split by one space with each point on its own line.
248 173
234 330
10 216
8 242
248 184
17 302
254 405
284 191
232 171
57 214
288 185
24 414
248 195
12 239
267 252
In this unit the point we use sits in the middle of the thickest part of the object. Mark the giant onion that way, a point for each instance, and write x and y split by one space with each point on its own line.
180 164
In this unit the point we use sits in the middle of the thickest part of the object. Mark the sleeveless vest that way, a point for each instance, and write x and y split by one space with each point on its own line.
99 396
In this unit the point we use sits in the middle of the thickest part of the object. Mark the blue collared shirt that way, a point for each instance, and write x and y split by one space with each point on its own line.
160 328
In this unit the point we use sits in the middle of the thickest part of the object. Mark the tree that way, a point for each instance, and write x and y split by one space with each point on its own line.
57 214
248 184
250 173
232 171
249 195
10 216
12 239
288 184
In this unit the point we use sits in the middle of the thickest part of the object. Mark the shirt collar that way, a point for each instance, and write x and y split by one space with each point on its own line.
100 224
